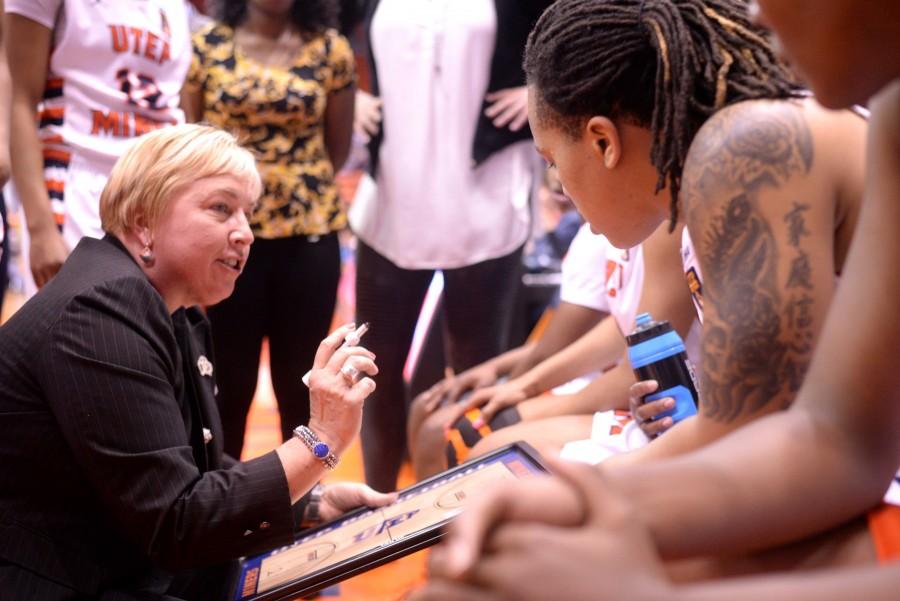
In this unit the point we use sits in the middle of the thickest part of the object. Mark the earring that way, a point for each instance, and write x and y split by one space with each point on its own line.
147 257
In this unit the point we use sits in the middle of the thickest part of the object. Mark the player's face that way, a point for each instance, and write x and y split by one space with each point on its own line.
617 201
845 50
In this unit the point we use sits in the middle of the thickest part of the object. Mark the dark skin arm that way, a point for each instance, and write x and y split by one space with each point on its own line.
872 584
610 556
763 232
838 399
596 350
28 52
568 324
339 125
740 493
192 102
665 295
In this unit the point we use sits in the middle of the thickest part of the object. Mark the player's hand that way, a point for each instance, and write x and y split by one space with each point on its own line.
493 399
645 414
47 253
476 400
448 390
366 115
511 500
508 108
432 399
340 497
474 378
608 554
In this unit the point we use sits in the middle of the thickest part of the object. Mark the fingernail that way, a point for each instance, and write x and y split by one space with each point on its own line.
478 423
669 403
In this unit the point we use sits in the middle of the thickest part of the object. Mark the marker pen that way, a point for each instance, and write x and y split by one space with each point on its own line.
351 339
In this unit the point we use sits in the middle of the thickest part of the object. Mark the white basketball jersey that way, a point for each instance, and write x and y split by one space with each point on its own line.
624 275
595 274
582 282
115 72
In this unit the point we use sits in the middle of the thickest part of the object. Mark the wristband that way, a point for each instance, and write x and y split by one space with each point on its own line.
320 450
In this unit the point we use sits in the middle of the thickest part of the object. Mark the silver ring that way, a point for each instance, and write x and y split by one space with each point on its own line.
350 373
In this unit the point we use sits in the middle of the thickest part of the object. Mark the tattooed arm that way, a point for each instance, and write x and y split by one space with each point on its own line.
763 232
787 475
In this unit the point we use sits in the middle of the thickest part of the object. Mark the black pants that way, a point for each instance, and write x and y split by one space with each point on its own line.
286 293
478 305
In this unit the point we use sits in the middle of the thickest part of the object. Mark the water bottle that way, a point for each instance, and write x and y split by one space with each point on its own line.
657 352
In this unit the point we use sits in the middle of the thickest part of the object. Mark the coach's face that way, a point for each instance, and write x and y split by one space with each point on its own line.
201 241
845 50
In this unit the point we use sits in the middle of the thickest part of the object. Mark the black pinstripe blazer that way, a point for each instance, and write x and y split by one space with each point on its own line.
105 480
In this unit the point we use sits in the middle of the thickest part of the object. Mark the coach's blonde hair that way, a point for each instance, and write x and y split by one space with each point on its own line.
159 163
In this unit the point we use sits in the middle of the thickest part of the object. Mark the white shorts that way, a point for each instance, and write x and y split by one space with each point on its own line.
612 433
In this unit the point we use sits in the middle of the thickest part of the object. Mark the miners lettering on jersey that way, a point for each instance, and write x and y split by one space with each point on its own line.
124 124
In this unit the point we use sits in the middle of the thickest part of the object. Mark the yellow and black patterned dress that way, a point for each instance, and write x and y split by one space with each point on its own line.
279 114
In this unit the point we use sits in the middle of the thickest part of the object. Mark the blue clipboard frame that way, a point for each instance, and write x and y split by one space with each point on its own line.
373 533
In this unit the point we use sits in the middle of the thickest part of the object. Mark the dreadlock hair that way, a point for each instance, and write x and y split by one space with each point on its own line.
663 64
308 16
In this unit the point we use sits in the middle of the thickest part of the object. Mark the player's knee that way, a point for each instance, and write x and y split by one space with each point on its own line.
431 432
428 442
417 416
488 443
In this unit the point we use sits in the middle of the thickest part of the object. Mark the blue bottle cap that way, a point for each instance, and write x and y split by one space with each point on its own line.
642 319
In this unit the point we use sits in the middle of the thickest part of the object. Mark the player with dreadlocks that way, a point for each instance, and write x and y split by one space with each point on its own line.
676 110
666 66
794 473
769 182
680 110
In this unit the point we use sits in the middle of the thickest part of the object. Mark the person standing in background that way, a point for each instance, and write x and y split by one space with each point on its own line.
92 75
279 76
453 169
